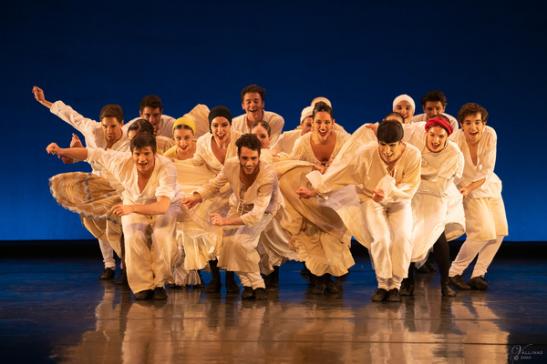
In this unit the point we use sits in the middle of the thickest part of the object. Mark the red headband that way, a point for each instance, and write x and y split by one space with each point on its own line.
438 121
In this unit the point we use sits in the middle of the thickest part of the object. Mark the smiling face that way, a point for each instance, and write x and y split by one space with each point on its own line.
262 135
220 128
112 129
390 152
405 109
249 160
144 159
253 105
436 138
183 138
473 127
433 108
322 126
152 115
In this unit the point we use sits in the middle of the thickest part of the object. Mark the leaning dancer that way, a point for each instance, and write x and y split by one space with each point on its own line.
380 218
106 134
485 219
255 200
148 213
442 162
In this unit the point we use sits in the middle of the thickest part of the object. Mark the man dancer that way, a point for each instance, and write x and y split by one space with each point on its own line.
485 220
106 134
434 103
388 176
253 102
148 213
255 200
151 110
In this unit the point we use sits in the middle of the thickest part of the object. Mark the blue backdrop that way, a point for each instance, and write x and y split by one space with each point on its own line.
359 55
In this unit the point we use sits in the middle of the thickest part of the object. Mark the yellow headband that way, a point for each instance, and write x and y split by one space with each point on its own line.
185 120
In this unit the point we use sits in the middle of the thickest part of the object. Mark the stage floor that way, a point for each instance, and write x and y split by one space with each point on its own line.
56 310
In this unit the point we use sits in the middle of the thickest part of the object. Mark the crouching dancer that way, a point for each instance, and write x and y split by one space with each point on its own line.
254 202
148 213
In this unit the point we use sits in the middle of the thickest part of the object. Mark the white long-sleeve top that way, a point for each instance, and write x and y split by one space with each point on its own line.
303 151
368 172
162 182
204 154
285 142
91 130
165 127
486 161
440 169
276 121
263 196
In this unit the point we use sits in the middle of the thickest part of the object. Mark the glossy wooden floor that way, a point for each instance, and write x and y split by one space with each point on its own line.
58 311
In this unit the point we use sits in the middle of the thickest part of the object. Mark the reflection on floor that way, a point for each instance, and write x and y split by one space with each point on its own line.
57 311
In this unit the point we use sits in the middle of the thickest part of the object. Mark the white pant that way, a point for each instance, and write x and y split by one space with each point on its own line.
108 234
486 251
253 280
150 248
390 228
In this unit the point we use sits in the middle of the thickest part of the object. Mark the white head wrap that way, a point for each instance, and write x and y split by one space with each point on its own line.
306 112
404 97
320 99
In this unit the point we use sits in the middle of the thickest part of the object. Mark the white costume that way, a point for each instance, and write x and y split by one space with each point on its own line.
486 223
107 232
149 240
276 122
285 142
385 228
431 201
165 127
256 205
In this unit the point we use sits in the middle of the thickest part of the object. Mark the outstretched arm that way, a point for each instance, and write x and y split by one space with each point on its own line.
78 154
40 97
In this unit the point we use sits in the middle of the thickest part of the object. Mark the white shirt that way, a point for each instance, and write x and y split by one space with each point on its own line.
276 121
162 182
204 154
165 127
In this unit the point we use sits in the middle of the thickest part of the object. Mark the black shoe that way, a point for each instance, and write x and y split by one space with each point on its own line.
393 295
407 288
231 285
247 294
123 279
144 295
458 282
214 285
107 274
160 294
380 295
446 291
331 287
478 283
260 294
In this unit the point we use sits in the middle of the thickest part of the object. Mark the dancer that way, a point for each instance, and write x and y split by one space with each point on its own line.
485 219
106 134
148 213
379 216
285 142
151 110
184 130
252 102
434 103
254 202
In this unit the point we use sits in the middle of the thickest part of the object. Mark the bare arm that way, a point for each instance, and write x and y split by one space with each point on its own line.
40 97
466 190
159 207
217 219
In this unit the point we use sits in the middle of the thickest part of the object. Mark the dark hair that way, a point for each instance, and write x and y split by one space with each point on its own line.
151 101
111 111
249 141
435 96
322 107
263 124
472 108
143 140
251 89
391 114
141 126
390 132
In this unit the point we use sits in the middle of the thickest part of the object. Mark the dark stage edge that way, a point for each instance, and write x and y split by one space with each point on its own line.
56 310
